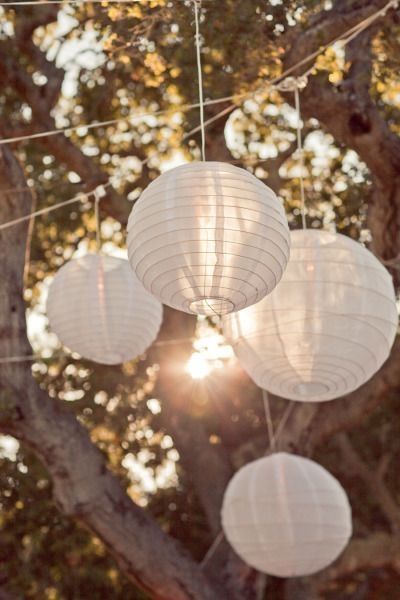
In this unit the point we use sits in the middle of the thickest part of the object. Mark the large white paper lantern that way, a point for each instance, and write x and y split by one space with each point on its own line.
328 326
99 309
287 516
208 238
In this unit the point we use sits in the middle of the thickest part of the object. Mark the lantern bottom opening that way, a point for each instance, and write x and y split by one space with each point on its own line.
311 389
212 305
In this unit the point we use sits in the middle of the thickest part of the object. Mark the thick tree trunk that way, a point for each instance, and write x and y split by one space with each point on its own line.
83 487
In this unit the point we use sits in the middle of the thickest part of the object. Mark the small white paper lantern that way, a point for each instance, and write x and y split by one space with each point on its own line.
208 238
287 516
328 326
98 308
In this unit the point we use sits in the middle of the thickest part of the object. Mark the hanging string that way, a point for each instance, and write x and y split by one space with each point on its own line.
86 195
353 32
212 549
295 84
284 420
356 29
345 38
37 357
17 359
197 8
276 82
99 193
157 113
68 2
268 417
300 151
81 197
98 225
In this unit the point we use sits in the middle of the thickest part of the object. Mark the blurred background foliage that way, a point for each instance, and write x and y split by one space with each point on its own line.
126 60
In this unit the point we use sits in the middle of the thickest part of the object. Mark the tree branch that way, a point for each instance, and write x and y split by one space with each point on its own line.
63 149
376 551
324 27
349 114
375 484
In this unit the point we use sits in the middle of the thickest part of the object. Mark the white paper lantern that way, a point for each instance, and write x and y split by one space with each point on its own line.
287 516
208 238
99 309
328 326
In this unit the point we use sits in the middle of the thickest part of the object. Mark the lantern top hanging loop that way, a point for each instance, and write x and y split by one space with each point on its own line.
291 83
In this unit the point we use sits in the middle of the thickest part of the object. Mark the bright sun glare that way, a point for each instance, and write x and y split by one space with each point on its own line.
197 366
210 352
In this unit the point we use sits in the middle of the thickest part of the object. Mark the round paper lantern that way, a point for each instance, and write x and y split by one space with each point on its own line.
328 326
98 308
208 238
285 515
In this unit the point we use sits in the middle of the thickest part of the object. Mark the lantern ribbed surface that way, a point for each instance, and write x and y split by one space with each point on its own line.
98 308
208 238
287 516
328 326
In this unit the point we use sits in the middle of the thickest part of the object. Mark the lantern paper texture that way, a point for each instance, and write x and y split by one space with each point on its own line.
287 516
99 309
208 238
328 326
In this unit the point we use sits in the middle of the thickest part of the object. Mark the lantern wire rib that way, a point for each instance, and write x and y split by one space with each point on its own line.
300 151
212 549
345 38
197 8
268 417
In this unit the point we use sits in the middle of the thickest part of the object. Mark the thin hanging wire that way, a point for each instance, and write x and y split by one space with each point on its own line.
129 118
81 197
350 33
68 2
38 357
276 83
284 420
17 359
197 8
300 151
98 224
86 195
268 417
212 549
99 193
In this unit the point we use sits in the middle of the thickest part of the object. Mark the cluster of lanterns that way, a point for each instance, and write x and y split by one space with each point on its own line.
209 238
